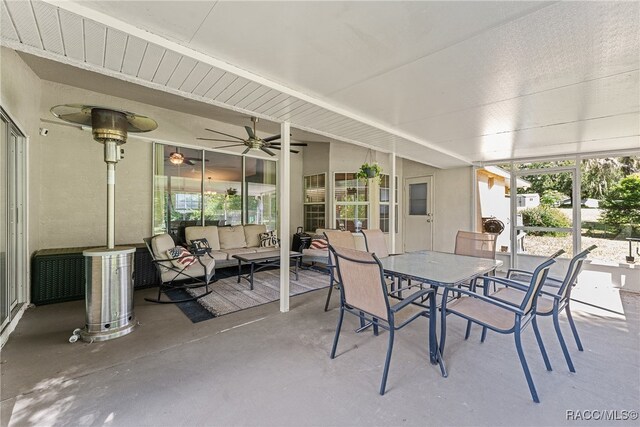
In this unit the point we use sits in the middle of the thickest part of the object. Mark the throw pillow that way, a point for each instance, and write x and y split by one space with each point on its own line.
200 246
181 257
268 240
318 243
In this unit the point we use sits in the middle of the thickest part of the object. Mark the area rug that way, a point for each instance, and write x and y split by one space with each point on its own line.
229 296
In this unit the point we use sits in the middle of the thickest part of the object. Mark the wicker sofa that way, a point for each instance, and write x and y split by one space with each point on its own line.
226 242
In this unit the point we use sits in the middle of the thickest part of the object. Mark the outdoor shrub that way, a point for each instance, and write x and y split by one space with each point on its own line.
545 216
621 204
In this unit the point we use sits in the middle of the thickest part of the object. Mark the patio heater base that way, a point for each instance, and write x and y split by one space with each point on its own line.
109 294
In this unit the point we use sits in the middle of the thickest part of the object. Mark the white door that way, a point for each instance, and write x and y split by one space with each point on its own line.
418 214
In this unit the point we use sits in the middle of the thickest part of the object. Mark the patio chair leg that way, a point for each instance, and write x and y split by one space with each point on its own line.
484 334
443 329
335 339
573 327
468 331
326 304
523 362
375 327
563 345
387 361
536 331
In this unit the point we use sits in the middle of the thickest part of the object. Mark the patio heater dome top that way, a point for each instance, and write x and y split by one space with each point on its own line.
107 123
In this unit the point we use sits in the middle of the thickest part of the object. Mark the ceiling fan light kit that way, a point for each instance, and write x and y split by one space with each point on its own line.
109 270
253 142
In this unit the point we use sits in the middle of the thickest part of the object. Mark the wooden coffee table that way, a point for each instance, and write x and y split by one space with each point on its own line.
260 260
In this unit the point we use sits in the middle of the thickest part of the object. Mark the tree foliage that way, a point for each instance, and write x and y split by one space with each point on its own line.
621 204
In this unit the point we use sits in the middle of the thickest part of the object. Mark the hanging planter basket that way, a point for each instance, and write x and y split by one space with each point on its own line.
369 171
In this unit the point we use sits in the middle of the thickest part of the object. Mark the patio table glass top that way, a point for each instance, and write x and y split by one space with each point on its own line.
438 268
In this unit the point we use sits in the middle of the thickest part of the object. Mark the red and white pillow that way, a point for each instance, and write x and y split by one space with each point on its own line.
181 257
318 243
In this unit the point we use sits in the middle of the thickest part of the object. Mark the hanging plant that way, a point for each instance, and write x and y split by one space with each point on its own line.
368 171
231 191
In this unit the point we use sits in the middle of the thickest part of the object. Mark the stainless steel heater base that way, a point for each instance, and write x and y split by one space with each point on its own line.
109 294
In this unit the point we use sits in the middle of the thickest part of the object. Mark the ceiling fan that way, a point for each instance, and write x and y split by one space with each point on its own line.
253 142
177 158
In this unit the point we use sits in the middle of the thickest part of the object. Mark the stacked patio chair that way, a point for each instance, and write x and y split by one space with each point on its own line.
555 297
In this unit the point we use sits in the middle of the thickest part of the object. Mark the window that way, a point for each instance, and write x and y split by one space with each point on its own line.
352 201
418 199
211 188
384 203
314 202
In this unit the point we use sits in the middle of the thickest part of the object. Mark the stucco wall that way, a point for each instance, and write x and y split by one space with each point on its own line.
20 96
71 171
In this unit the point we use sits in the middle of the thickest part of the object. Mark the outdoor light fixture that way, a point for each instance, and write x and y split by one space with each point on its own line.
176 158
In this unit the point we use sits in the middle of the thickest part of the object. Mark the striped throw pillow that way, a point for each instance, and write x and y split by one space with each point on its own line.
181 257
319 244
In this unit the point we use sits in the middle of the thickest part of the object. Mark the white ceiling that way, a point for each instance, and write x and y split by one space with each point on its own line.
445 83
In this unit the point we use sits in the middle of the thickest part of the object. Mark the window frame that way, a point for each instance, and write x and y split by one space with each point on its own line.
309 204
337 203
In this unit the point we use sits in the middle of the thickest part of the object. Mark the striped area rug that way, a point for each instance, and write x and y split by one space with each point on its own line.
228 295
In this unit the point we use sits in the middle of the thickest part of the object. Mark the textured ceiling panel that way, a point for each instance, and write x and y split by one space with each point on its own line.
22 16
242 93
6 26
49 25
261 108
133 55
196 76
208 81
232 90
284 107
253 97
181 72
219 86
151 61
167 66
72 34
114 54
94 42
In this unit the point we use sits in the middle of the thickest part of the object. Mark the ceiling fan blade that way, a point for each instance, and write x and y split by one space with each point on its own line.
250 132
266 150
211 139
293 144
225 134
280 148
271 138
194 159
247 150
232 145
188 162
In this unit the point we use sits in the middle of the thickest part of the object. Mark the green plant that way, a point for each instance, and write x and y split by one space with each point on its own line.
368 171
621 204
551 197
545 216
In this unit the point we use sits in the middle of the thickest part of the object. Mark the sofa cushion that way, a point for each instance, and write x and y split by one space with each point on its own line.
209 232
252 234
218 255
232 237
238 251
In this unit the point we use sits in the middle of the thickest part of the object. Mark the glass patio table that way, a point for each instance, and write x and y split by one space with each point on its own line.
438 268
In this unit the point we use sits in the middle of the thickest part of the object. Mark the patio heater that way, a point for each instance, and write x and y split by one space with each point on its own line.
108 270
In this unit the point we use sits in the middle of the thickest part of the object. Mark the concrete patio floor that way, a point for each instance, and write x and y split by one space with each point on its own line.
262 367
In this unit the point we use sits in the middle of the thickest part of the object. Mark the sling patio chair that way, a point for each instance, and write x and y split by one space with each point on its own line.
342 239
555 297
363 293
182 271
501 316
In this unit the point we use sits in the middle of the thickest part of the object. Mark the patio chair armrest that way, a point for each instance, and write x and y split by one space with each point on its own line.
499 303
506 282
516 270
552 282
411 298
